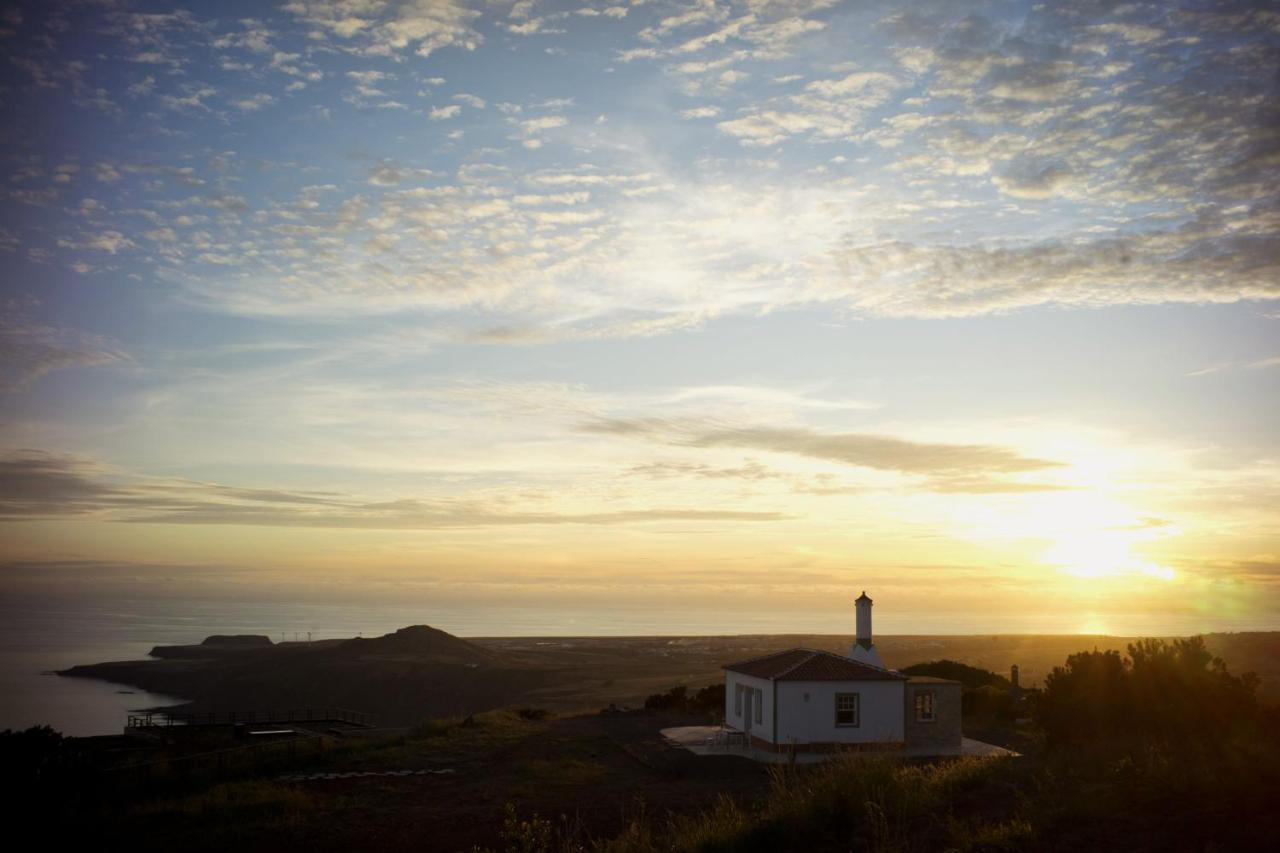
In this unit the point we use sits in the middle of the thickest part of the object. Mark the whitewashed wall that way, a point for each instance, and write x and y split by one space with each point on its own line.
814 720
762 729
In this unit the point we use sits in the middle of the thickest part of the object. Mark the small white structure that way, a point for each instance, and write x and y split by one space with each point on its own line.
810 700
863 649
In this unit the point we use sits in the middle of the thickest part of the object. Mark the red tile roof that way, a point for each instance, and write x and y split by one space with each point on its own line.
812 665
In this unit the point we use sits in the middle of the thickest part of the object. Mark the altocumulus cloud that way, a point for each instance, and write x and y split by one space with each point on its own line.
958 161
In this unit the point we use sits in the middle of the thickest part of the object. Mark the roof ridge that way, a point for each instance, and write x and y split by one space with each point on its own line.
801 664
804 660
770 655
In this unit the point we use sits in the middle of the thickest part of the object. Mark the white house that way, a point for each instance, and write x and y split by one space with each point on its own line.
812 700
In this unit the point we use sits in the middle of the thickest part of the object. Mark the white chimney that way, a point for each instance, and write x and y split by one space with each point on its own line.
863 649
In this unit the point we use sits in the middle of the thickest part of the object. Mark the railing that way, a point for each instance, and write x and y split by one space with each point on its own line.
168 719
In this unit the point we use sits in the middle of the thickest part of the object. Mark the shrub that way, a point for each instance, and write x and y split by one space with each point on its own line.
709 699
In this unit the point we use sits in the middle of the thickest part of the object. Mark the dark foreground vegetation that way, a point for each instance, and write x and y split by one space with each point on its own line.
1158 749
1161 750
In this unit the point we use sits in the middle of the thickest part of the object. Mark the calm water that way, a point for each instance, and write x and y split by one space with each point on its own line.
38 635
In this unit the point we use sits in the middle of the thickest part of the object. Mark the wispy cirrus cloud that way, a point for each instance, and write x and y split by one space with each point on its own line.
1260 364
30 348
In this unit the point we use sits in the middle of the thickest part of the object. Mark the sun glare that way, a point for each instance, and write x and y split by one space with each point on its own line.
1102 554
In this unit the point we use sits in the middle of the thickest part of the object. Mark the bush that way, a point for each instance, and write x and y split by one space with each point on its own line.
708 700
43 771
535 835
989 702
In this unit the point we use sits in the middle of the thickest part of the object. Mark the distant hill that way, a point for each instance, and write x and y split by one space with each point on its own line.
969 676
218 644
423 643
237 640
401 678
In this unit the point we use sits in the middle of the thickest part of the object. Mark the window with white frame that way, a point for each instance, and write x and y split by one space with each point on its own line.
925 706
759 705
737 700
846 709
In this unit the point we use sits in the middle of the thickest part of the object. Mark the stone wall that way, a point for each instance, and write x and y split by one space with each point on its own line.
941 735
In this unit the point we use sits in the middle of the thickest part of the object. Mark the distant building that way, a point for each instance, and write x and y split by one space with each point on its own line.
815 701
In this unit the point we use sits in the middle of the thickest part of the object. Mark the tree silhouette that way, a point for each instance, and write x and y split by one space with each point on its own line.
1162 690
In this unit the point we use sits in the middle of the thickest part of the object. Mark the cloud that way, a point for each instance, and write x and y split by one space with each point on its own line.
192 99
874 451
699 12
253 103
946 467
386 27
109 242
30 349
389 174
368 77
1203 261
40 485
536 125
1033 179
962 166
750 471
828 109
1259 364
651 254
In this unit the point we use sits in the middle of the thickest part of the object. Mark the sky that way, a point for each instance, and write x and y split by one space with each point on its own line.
736 308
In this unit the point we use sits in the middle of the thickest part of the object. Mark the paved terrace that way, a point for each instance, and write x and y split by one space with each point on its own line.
712 740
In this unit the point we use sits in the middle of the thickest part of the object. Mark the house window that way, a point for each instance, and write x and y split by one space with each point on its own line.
846 709
924 706
737 700
759 705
